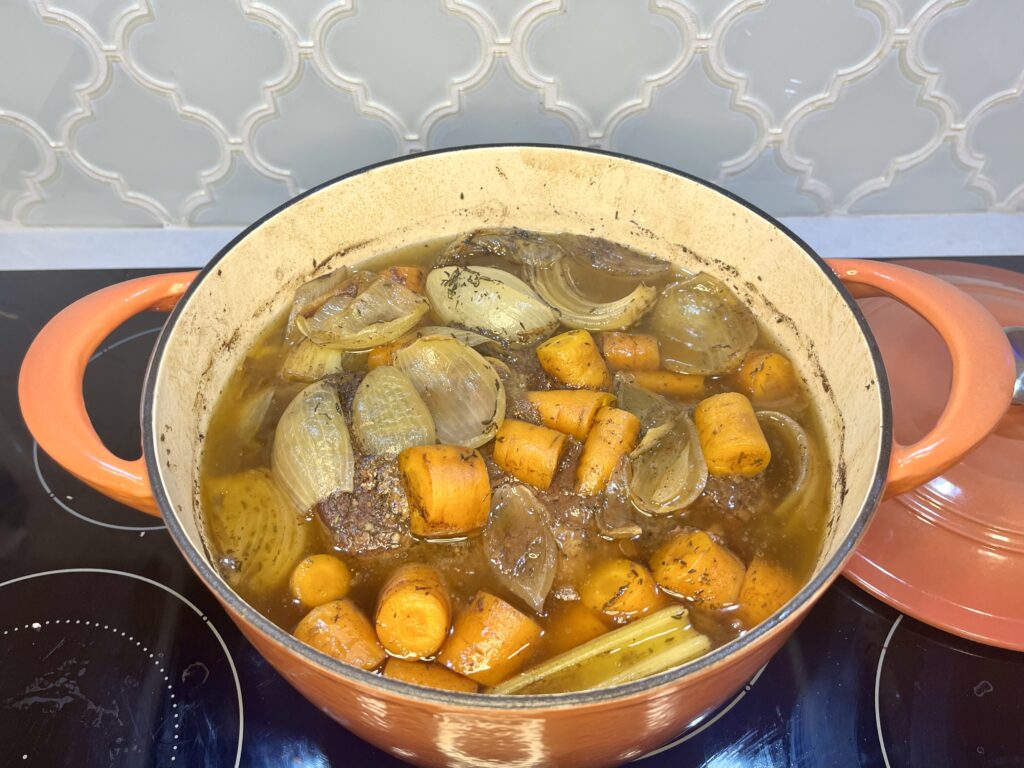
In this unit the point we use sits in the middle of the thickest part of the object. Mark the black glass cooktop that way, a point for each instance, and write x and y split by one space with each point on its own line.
113 654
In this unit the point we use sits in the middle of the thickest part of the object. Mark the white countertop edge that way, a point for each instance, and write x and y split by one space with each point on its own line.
973 234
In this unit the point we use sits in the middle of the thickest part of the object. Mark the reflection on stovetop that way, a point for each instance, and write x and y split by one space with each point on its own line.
114 654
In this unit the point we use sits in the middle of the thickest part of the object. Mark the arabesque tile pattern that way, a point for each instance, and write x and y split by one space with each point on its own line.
205 112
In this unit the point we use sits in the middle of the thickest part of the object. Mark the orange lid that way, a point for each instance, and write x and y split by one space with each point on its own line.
951 552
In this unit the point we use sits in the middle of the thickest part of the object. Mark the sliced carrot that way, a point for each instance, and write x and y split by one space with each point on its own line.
413 612
319 579
621 590
731 436
695 566
571 411
340 630
572 359
767 587
528 452
766 377
670 383
429 675
613 435
571 624
490 641
448 489
385 353
630 351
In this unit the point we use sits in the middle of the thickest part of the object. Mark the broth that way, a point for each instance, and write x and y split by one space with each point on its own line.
756 518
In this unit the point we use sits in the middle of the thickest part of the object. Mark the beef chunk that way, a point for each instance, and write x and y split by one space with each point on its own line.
372 518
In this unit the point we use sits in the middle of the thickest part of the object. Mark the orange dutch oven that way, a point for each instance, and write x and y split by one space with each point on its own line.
803 301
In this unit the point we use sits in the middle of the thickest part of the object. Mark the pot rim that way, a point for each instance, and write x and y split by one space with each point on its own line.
818 583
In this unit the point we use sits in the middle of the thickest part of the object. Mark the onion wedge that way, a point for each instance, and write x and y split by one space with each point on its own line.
556 286
461 389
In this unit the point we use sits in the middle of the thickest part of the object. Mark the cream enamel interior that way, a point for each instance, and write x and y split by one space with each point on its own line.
546 189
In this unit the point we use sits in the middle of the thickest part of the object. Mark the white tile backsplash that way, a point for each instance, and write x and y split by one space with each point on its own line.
976 52
501 109
408 58
937 184
690 124
232 59
788 52
21 159
210 112
997 139
71 198
317 131
872 126
602 57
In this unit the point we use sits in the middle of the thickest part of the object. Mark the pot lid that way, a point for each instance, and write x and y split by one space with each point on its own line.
951 552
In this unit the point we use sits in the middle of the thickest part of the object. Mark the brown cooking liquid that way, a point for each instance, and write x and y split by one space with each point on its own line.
724 508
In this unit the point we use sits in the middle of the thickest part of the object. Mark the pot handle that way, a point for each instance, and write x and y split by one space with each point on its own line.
983 368
50 384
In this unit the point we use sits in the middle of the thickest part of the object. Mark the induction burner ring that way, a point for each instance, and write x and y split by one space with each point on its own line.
61 502
155 657
878 685
37 626
707 724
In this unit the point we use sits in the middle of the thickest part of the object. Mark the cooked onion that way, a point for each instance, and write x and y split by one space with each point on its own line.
388 414
469 338
310 296
255 530
651 408
702 326
381 312
491 300
462 390
517 245
667 471
598 253
312 454
556 286
614 517
311 362
251 414
519 544
806 469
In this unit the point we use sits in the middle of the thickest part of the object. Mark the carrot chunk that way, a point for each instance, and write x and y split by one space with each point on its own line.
491 640
694 566
731 436
630 351
613 435
429 675
385 353
766 377
413 612
319 579
572 359
767 587
571 624
448 489
571 411
621 590
340 630
670 383
529 452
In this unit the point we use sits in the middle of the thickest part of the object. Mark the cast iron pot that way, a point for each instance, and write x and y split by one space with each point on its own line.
219 312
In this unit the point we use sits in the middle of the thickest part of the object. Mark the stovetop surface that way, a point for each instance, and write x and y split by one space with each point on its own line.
112 653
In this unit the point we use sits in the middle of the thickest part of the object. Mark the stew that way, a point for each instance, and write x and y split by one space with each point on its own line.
517 463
